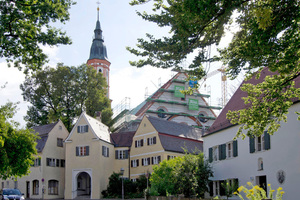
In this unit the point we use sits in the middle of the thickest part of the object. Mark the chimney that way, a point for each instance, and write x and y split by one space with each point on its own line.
98 115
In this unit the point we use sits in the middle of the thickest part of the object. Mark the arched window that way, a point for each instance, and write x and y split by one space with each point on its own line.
260 164
161 113
201 117
53 187
35 187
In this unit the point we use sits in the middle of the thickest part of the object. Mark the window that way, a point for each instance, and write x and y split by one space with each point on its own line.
37 162
53 187
216 188
82 151
229 149
60 142
62 163
171 157
60 127
215 153
145 161
161 113
51 162
259 143
35 187
151 141
135 163
82 128
139 143
121 154
155 160
260 164
2 185
105 151
223 151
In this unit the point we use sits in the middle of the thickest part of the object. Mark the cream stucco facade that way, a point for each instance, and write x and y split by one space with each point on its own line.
46 179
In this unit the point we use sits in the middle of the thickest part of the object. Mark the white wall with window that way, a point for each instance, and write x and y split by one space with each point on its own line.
265 159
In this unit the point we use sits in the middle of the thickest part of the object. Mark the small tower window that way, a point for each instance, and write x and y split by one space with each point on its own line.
100 70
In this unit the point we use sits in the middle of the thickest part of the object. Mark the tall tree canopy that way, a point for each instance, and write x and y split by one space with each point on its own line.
25 26
17 146
266 34
188 175
63 93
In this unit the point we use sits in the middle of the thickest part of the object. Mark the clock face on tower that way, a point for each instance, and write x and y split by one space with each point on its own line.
281 176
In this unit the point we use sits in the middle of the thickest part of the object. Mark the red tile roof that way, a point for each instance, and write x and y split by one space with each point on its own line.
237 103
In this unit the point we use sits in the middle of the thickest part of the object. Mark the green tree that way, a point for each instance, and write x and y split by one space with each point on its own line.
266 34
186 175
26 25
17 146
64 93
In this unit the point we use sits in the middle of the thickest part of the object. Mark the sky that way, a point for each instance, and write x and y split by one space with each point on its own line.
121 27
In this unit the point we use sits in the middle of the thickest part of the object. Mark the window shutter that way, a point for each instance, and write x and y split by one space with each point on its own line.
168 157
136 143
132 163
107 149
142 161
142 142
148 160
77 151
87 150
148 141
252 144
137 162
267 140
235 148
103 151
126 154
152 160
86 128
57 162
78 129
210 154
222 189
39 161
116 154
158 159
223 151
154 140
220 152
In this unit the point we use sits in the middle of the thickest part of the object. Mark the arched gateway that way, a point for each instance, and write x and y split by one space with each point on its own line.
82 184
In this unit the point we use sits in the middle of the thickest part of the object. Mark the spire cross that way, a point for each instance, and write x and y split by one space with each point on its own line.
98 2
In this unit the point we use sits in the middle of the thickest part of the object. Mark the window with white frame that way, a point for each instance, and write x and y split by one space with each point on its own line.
155 160
215 153
37 162
229 149
105 151
121 154
82 128
171 157
139 143
145 161
260 143
51 162
135 163
82 151
151 141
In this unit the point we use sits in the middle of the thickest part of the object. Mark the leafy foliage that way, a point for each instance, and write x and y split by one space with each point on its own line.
186 175
131 189
25 26
64 93
266 34
17 146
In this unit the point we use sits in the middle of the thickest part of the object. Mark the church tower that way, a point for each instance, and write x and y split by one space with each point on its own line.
98 54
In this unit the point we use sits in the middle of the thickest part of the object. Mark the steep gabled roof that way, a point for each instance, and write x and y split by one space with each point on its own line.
178 144
99 129
237 103
122 139
43 132
175 129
